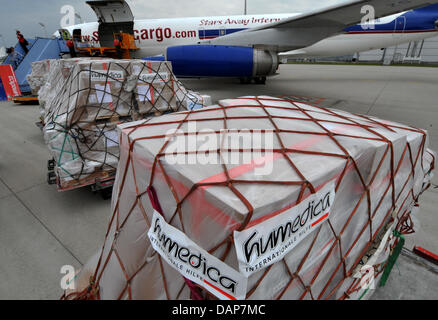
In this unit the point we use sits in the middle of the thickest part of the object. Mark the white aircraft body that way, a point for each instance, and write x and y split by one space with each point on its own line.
328 32
154 36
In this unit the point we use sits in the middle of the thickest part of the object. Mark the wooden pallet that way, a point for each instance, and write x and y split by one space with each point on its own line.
96 178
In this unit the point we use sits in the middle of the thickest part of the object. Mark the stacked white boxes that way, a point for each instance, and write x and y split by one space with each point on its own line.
85 99
38 77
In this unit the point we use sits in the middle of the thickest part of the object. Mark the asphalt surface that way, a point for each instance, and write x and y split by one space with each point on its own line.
42 230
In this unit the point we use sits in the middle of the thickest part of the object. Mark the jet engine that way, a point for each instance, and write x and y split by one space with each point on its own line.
222 61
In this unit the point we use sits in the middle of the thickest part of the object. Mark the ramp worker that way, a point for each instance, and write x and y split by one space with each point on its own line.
71 47
16 57
23 42
118 46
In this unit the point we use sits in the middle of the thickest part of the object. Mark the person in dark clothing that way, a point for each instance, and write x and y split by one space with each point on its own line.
23 42
118 46
16 57
71 47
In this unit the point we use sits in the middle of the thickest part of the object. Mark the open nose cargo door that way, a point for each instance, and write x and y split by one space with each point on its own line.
114 16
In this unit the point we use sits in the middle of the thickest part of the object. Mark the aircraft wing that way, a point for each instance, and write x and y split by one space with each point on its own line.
306 29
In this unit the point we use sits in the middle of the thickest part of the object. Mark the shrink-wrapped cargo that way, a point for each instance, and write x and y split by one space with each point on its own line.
84 100
58 72
38 77
257 198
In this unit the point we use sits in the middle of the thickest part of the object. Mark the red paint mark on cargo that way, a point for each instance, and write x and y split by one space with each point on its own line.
320 220
221 291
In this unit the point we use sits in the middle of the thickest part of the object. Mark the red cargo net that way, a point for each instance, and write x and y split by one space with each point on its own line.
341 274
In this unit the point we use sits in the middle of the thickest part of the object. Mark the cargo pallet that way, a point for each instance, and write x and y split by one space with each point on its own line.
30 99
100 182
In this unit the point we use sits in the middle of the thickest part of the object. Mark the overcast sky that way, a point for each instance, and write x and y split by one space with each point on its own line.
25 15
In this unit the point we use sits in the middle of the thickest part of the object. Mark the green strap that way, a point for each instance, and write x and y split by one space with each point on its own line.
364 293
393 258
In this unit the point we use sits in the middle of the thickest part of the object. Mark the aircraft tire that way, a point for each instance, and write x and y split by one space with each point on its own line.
245 80
260 80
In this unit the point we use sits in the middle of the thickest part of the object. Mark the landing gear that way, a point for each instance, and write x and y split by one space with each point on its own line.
248 80
260 80
245 80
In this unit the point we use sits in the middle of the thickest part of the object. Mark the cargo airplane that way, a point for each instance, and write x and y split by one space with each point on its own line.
252 46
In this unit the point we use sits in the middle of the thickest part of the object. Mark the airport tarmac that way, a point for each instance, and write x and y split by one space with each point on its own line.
42 230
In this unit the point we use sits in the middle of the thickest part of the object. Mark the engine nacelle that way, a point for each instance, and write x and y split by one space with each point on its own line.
221 61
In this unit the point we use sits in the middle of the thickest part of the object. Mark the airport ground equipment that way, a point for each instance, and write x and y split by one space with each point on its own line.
3 96
29 99
116 21
426 254
9 87
124 52
40 49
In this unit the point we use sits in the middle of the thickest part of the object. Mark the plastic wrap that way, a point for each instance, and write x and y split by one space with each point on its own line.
39 75
357 178
84 100
57 74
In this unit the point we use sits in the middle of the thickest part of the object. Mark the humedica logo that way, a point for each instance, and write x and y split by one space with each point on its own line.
268 242
195 263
